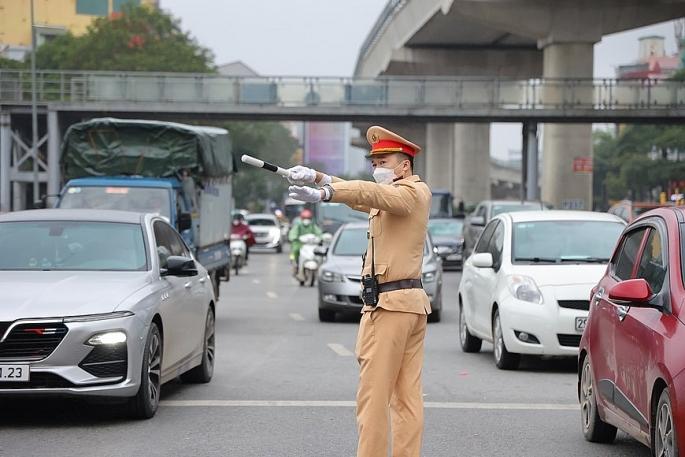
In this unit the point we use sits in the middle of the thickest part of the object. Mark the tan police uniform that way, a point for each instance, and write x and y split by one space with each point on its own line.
391 336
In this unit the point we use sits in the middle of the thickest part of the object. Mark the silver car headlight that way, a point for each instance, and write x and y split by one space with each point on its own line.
329 276
524 288
429 276
107 338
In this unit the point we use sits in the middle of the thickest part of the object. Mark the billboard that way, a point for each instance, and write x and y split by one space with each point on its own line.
325 146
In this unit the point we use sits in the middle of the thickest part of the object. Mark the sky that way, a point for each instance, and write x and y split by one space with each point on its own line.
323 37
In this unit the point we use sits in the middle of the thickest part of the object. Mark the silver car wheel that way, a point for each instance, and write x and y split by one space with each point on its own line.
587 401
664 445
210 345
154 370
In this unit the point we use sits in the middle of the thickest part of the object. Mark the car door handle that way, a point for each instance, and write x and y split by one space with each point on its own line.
188 285
202 280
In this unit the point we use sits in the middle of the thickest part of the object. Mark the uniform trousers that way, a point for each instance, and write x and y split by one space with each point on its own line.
390 397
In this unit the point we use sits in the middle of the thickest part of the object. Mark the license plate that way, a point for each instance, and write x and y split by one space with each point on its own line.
14 373
580 324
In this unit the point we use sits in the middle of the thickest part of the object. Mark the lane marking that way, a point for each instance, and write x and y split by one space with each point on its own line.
296 316
256 281
352 404
341 350
272 295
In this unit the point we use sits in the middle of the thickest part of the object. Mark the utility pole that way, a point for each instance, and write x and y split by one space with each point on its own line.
34 112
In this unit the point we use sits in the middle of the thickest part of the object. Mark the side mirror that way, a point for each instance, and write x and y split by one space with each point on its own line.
185 222
321 251
326 238
179 266
478 221
633 292
482 260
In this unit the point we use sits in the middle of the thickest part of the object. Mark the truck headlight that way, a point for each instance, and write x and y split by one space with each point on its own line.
524 288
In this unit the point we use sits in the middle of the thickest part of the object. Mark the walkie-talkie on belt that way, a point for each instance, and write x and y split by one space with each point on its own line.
370 282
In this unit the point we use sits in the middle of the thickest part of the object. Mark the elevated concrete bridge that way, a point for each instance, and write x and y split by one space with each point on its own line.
438 102
520 39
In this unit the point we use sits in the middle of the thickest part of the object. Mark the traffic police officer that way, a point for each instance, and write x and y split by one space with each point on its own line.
391 334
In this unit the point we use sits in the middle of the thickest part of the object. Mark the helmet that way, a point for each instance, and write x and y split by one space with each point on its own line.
238 217
306 214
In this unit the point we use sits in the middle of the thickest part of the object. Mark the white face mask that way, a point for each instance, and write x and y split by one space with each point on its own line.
384 175
306 222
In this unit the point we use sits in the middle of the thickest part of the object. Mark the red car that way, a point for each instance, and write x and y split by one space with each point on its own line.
632 354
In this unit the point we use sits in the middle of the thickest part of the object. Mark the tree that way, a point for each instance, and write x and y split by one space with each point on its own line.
10 64
623 167
139 39
269 141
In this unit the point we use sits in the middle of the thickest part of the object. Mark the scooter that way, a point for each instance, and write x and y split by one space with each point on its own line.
238 252
309 261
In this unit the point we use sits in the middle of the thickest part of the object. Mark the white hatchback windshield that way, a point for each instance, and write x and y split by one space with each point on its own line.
564 241
72 245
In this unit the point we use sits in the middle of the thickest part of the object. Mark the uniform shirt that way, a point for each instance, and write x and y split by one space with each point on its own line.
398 219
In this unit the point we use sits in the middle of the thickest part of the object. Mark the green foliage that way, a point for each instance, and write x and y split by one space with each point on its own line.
269 141
679 75
623 168
140 39
10 64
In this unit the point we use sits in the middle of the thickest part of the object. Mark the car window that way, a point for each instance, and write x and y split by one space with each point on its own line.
351 242
261 222
452 228
63 245
168 243
480 211
652 267
482 245
625 260
496 244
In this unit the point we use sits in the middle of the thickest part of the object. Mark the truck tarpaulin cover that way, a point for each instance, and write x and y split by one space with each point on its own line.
107 146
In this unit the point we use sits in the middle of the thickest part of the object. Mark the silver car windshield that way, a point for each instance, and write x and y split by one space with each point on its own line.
72 245
136 199
353 242
445 228
564 241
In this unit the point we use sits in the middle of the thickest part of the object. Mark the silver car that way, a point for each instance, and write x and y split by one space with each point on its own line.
101 303
340 275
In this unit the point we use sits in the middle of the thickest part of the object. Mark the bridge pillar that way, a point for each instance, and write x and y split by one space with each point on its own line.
562 143
5 162
458 159
54 141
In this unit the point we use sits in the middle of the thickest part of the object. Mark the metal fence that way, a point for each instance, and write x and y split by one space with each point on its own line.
397 92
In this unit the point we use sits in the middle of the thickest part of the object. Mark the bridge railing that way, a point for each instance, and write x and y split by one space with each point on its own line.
301 92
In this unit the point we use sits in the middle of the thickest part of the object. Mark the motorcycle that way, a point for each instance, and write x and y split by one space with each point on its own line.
309 260
238 251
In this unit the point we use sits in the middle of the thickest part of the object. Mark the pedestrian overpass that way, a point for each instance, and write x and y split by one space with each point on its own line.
64 97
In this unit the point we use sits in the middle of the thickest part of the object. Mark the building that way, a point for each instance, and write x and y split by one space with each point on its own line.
652 61
237 68
52 18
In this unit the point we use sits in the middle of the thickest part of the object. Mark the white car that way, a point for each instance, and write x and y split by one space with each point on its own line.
526 288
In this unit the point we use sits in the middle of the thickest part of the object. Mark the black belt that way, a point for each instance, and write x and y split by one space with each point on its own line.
399 285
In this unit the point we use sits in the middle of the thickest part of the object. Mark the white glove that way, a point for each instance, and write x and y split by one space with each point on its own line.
305 194
300 176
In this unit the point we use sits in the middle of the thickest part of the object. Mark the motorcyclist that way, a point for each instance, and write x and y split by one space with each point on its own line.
304 226
240 228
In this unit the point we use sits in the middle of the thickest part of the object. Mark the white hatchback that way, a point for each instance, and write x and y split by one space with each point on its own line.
526 287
